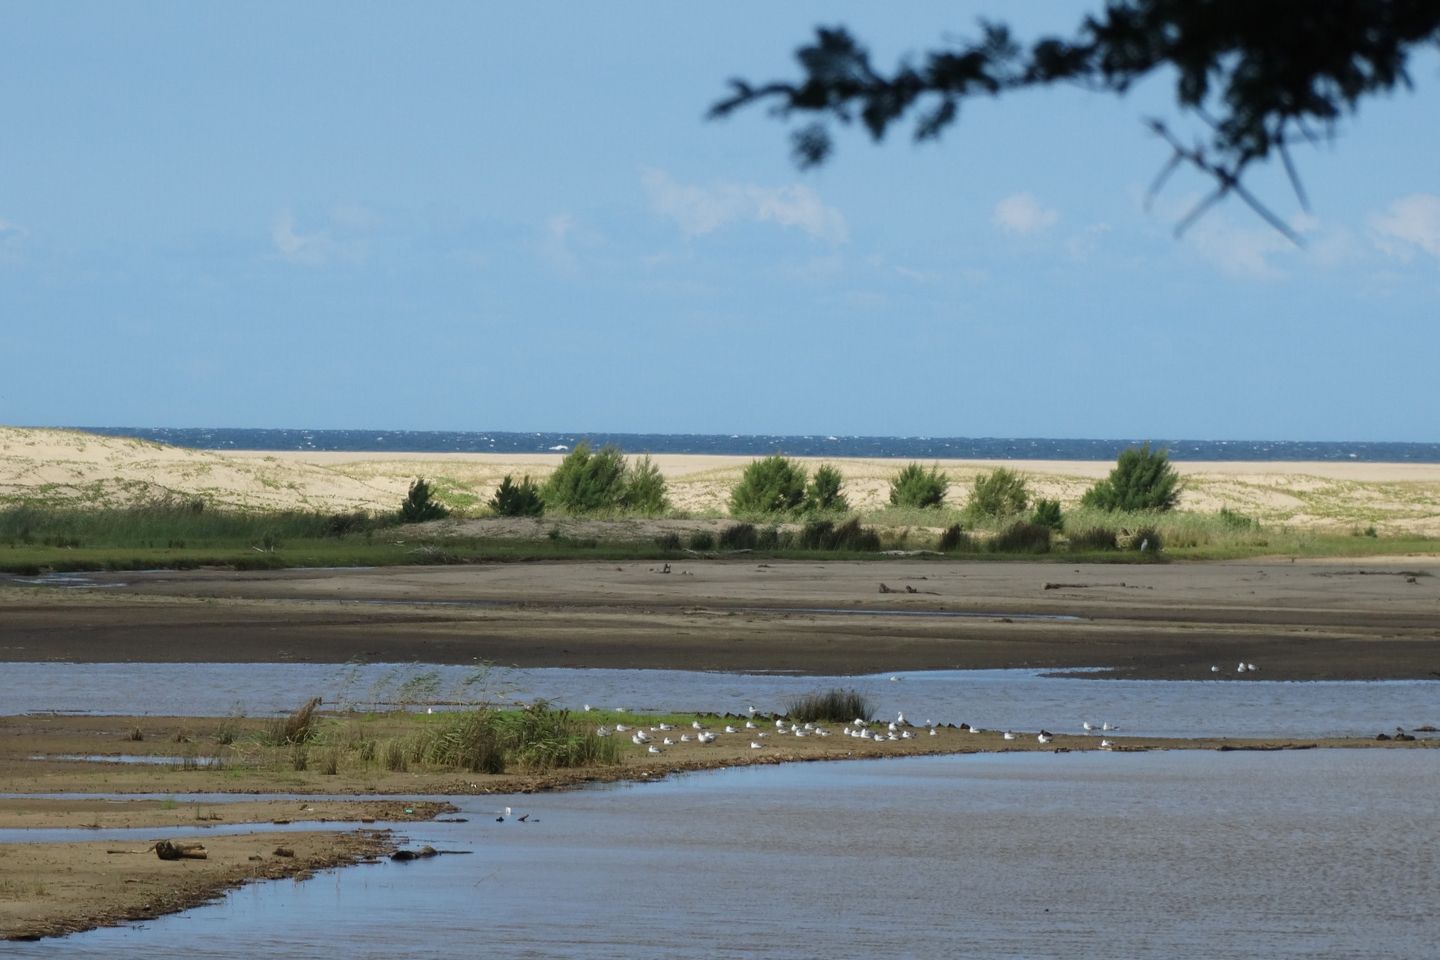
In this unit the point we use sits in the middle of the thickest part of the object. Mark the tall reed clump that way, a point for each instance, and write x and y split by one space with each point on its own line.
954 538
540 737
298 727
483 740
1021 537
847 536
834 706
467 740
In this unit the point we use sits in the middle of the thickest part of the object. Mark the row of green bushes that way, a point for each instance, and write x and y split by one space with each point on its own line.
602 481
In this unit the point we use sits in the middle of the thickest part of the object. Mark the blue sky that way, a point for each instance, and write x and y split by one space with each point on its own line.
515 217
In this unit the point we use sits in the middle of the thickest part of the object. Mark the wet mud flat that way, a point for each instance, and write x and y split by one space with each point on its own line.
1307 620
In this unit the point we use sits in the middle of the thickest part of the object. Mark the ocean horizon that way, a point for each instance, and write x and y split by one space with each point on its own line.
799 445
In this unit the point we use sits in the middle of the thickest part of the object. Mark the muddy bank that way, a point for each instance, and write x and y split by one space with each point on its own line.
1370 619
53 889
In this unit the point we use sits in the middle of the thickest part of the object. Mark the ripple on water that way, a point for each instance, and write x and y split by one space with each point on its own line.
1090 855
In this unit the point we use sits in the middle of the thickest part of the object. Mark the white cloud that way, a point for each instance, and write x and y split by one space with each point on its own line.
342 236
10 231
297 247
699 210
1410 222
1238 251
1084 244
1022 215
555 241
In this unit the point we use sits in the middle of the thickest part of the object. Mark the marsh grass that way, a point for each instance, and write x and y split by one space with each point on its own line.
297 728
834 706
171 523
1021 537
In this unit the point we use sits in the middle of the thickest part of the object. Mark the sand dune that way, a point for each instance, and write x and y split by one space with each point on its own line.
69 466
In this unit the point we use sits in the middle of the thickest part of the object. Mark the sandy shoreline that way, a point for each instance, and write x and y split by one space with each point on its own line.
66 466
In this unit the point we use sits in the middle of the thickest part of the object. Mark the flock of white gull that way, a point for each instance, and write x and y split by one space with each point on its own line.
896 731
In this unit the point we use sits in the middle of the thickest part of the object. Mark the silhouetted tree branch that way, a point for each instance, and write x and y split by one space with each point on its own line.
1262 74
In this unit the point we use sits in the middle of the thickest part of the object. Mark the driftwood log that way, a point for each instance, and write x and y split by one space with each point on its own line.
170 850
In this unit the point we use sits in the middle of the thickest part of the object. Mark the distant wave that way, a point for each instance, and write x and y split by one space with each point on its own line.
907 448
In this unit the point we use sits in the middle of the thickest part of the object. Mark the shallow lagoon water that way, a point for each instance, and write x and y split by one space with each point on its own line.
1326 853
1020 699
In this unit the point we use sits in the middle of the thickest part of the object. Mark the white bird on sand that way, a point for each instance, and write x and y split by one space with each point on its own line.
1240 667
1215 668
1106 744
602 731
695 725
685 738
755 746
749 724
977 730
621 728
933 733
654 749
1009 735
1044 738
730 729
1250 667
669 742
667 726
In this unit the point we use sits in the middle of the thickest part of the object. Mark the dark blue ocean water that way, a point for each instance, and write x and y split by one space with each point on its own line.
909 448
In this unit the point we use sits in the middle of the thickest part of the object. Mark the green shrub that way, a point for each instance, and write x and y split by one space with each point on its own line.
954 537
739 536
999 493
824 493
767 538
521 499
773 485
645 488
1047 514
914 486
702 540
1142 480
1022 537
420 504
834 706
668 541
1095 538
587 481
